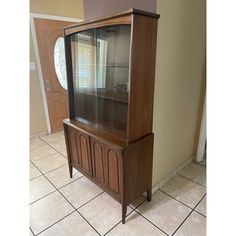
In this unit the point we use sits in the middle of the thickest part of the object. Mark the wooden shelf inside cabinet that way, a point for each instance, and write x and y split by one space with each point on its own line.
110 74
123 99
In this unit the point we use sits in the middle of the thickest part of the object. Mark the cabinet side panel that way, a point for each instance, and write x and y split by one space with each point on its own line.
138 168
142 76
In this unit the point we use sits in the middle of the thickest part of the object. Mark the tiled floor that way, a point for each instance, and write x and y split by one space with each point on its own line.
62 206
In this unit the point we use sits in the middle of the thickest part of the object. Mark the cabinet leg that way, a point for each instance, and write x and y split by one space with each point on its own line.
124 210
70 170
149 195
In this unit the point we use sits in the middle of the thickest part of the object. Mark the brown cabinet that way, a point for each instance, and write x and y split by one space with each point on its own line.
111 71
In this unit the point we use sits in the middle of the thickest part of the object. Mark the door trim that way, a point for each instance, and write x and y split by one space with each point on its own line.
202 136
37 58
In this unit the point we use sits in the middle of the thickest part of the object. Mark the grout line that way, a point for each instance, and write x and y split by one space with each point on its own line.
132 210
55 169
31 231
198 163
56 222
89 200
35 177
49 170
88 222
138 204
77 210
200 213
53 147
190 180
188 215
66 199
174 198
43 197
44 157
151 222
70 182
33 148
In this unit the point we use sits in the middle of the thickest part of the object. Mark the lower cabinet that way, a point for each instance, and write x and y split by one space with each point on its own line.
123 171
96 159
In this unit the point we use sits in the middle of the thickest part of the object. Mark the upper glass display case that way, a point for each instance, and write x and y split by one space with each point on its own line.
100 65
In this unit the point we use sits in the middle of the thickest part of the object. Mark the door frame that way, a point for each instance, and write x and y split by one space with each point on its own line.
202 135
37 58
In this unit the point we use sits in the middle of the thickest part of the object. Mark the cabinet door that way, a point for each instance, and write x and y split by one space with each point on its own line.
113 158
99 162
84 152
73 147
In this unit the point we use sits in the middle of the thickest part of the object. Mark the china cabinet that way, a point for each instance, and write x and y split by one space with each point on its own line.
111 71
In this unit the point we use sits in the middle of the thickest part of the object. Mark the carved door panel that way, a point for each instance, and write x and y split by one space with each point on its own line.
84 152
73 146
113 158
99 162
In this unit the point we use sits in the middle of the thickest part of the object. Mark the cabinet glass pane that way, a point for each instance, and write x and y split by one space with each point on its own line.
101 77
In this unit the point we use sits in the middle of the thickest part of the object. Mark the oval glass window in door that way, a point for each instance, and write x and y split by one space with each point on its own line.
60 62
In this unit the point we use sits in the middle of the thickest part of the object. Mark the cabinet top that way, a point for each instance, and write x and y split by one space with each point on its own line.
128 12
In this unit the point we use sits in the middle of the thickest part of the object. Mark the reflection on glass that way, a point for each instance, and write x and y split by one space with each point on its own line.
60 62
101 76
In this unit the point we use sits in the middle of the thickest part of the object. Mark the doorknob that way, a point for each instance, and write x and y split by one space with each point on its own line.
47 85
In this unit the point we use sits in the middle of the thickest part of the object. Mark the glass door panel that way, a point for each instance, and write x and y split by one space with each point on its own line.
101 77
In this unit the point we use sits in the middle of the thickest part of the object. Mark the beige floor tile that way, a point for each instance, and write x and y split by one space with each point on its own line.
201 207
195 172
135 225
34 172
48 211
64 153
72 225
184 190
80 191
36 142
138 201
164 211
195 225
103 212
59 145
39 188
41 152
60 176
50 162
53 137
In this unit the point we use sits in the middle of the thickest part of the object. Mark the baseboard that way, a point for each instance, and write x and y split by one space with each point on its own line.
171 175
37 135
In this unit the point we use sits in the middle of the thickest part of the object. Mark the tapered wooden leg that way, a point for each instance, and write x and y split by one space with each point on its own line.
70 170
149 195
124 210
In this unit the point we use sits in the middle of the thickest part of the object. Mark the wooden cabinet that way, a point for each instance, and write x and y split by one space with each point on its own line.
111 71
